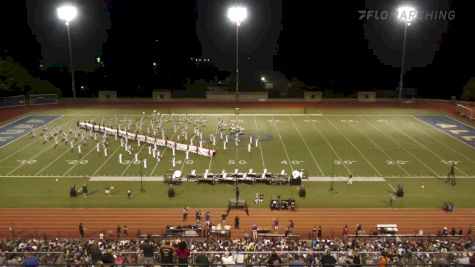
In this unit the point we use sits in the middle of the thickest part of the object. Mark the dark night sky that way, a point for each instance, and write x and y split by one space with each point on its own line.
258 35
88 31
216 33
423 37
320 42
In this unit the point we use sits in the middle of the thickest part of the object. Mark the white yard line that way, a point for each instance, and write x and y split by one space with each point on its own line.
446 134
331 147
58 157
25 147
260 145
67 150
224 114
33 157
26 134
80 158
163 153
359 152
308 148
211 158
380 149
131 161
426 148
285 150
403 148
315 177
51 162
105 161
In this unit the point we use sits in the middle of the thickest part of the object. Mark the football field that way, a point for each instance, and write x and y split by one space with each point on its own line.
385 145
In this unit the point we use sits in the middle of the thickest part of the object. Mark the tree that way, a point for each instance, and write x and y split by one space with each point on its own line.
196 85
15 80
297 84
469 90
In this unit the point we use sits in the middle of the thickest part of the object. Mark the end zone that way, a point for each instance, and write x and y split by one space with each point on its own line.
19 128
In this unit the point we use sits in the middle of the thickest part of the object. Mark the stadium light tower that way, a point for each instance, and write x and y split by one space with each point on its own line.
405 14
237 14
67 13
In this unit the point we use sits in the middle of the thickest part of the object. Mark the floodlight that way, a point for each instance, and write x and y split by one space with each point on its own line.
67 13
237 14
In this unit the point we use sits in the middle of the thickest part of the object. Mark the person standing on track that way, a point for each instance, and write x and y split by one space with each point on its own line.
276 225
125 231
119 231
81 230
236 222
185 213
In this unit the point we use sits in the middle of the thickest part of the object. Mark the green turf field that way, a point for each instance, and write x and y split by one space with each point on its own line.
391 144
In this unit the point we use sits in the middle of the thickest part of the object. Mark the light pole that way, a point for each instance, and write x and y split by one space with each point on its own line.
405 14
67 13
237 14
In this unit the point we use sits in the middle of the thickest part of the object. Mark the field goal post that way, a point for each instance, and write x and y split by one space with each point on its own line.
43 99
466 111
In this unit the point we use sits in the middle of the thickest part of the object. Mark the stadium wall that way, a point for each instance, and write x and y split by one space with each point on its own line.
231 96
312 96
107 96
161 95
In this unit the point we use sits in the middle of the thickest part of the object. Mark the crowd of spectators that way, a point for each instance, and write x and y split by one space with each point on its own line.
398 251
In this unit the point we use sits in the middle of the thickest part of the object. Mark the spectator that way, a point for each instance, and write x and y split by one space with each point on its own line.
31 261
239 257
147 249
327 259
95 252
274 260
472 259
383 261
296 262
166 253
227 259
183 253
202 260
356 260
119 260
108 258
